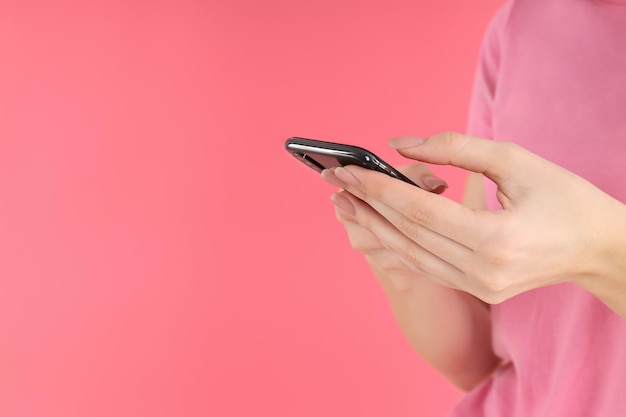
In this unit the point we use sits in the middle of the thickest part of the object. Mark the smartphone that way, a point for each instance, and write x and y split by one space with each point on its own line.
320 155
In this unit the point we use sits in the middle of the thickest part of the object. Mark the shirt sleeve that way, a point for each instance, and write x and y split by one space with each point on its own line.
480 120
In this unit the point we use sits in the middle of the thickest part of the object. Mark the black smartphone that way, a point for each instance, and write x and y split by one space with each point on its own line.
320 155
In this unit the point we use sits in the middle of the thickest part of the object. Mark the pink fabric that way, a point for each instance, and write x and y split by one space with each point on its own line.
552 77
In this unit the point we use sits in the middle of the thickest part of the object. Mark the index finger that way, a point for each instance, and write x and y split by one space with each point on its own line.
437 213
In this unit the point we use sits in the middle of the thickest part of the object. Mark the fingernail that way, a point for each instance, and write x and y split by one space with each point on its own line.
405 142
434 184
329 176
343 203
347 176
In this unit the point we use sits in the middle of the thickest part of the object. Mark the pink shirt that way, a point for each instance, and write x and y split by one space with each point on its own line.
552 77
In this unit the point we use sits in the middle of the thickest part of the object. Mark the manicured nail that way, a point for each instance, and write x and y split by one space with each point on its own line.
343 203
347 176
405 142
329 176
434 184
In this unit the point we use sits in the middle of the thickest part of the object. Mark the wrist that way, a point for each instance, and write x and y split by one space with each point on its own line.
605 276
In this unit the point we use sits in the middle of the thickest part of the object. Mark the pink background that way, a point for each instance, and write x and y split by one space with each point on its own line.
160 253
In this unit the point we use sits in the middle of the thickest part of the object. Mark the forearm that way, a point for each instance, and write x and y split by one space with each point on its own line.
450 329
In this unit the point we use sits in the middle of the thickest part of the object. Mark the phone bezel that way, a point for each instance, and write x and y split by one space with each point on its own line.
305 149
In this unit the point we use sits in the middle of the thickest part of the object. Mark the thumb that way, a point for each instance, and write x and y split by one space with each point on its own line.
496 160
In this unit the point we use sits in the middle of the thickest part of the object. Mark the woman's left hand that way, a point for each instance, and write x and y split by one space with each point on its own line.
553 227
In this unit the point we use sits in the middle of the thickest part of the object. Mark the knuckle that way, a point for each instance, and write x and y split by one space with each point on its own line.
454 139
418 214
456 143
408 228
370 187
496 283
502 248
494 288
408 252
494 298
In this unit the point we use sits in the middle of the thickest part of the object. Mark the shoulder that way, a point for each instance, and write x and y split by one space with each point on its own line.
497 27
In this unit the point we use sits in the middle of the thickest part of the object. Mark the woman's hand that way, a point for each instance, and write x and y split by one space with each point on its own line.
383 261
553 227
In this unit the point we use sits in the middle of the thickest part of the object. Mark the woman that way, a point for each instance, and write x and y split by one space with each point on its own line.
519 295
